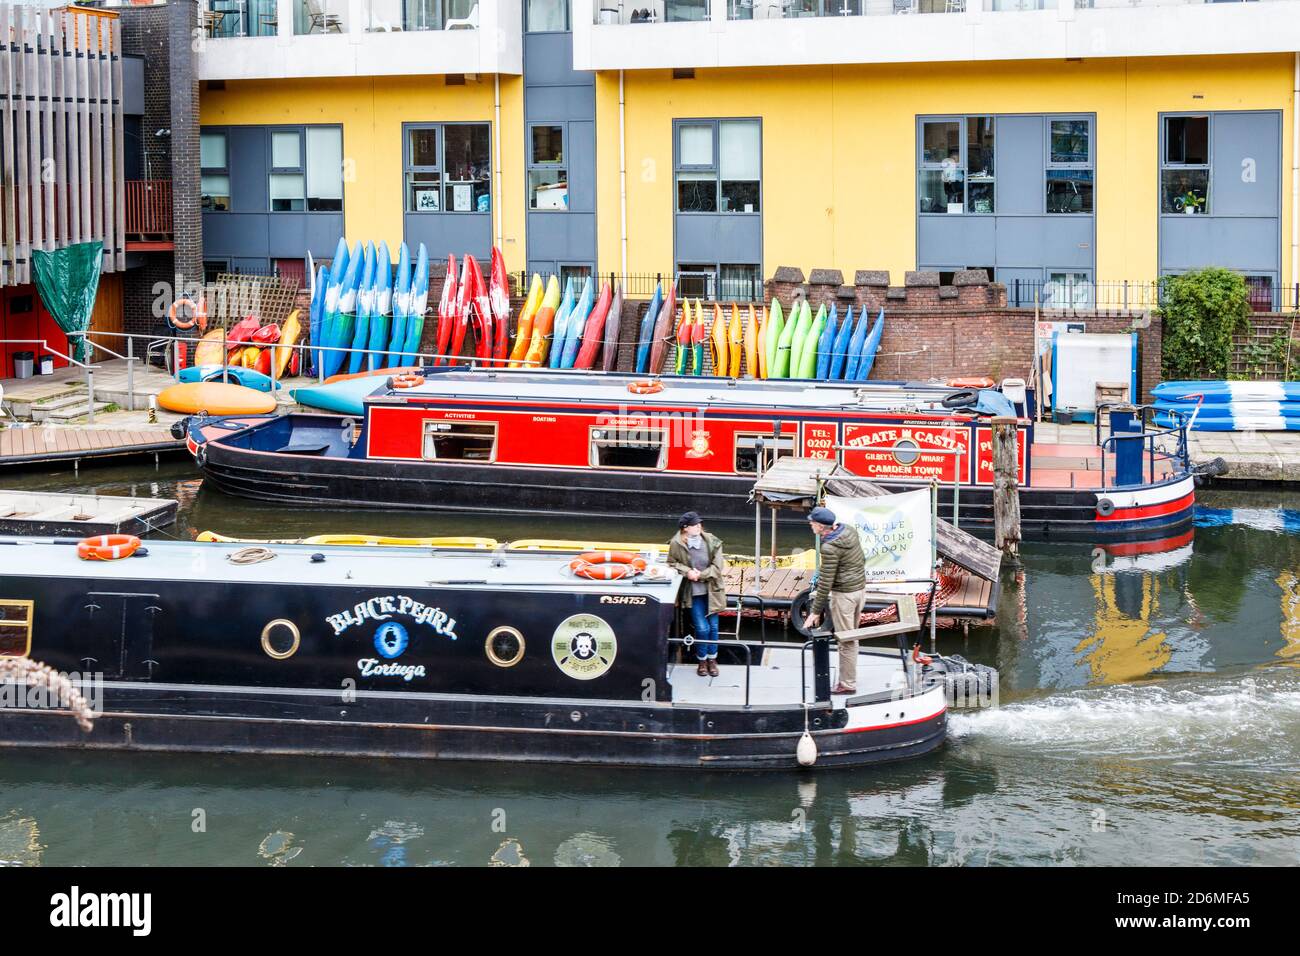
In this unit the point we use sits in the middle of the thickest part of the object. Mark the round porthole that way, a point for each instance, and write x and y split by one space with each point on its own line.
504 646
280 639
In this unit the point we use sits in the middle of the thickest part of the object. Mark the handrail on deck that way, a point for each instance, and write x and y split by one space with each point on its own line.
1149 434
88 369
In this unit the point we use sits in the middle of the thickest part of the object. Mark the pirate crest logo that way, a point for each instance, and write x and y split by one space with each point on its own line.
584 646
699 445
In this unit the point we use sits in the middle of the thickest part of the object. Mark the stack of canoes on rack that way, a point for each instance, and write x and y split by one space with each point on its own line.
1221 406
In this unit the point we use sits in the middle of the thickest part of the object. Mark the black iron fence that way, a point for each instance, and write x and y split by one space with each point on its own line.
641 285
1083 296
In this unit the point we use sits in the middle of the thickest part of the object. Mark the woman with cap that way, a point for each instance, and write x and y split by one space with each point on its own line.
697 555
841 586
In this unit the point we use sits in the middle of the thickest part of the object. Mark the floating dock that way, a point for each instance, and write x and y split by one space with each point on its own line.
37 445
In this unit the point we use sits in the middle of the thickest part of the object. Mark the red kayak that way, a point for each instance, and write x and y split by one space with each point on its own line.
241 332
593 332
499 298
446 310
482 311
464 309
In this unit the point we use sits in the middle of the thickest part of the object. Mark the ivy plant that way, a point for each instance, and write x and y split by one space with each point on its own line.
1201 312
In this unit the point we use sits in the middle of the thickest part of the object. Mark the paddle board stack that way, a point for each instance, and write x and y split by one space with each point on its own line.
1221 406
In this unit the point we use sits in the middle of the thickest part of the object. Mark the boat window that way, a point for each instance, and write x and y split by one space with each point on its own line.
280 639
15 628
460 441
773 448
504 646
628 448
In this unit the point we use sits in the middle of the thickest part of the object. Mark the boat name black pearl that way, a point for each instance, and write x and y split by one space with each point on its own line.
385 607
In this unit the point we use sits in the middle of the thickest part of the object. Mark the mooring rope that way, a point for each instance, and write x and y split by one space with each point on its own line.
250 556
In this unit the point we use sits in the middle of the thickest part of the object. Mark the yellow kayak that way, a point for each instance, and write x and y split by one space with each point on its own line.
378 540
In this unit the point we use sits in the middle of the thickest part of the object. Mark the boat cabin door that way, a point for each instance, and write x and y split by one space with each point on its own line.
119 628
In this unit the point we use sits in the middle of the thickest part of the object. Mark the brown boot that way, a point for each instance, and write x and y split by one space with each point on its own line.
713 667
703 669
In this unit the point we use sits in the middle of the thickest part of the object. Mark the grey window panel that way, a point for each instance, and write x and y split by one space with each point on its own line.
954 239
229 234
1018 171
451 234
133 85
543 267
1246 245
548 60
726 237
246 157
292 235
568 237
1058 241
581 162
1237 139
547 104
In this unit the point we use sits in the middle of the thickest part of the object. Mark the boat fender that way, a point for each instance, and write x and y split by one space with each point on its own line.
961 399
1105 507
180 428
107 547
806 750
645 388
198 315
799 606
405 381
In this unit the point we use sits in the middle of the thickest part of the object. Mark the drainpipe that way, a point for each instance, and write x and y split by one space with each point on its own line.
1295 177
623 180
496 151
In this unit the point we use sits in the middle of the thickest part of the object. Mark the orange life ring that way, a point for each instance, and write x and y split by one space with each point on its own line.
645 388
977 381
406 381
607 565
198 315
107 547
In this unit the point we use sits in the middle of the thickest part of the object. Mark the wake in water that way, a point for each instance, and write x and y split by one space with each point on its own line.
1249 721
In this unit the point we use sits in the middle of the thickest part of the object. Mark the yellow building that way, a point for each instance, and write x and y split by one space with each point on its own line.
1043 140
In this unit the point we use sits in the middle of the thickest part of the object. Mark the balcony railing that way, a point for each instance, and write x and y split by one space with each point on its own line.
148 209
256 18
682 11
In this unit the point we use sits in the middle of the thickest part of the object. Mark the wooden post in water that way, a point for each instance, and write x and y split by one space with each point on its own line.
1006 488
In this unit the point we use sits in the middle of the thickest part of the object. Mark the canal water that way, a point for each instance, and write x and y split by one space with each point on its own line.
1149 714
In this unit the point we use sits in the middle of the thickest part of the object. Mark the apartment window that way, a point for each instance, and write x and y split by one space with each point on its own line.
460 441
546 16
957 173
747 451
579 273
448 167
719 165
306 169
628 448
1260 290
548 175
722 282
1069 166
1068 290
1185 165
16 628
214 172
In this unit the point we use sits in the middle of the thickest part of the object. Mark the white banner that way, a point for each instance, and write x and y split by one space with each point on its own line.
895 535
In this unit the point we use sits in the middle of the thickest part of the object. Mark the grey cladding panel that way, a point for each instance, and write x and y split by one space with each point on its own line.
247 164
961 240
545 103
451 234
291 235
1047 241
228 234
1019 173
548 60
731 238
582 166
567 237
1191 242
1247 164
133 86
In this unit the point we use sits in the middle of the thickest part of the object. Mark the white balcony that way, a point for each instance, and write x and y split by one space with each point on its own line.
277 39
660 34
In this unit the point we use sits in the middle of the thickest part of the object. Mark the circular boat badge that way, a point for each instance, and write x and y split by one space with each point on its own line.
391 640
584 646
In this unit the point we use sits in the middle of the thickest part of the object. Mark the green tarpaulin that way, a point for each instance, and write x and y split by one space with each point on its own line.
67 280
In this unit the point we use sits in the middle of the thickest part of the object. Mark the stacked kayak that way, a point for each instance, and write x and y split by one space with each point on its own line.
1222 406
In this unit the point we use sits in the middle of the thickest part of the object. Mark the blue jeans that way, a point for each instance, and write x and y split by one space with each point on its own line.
706 628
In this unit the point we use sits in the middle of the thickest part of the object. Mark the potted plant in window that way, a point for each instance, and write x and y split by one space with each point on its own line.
1192 203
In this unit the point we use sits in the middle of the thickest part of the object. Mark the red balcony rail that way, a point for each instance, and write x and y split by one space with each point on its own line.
149 209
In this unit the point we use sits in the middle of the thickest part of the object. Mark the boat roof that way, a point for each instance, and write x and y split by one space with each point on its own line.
611 388
344 565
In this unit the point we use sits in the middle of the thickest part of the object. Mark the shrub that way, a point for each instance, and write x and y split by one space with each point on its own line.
1201 311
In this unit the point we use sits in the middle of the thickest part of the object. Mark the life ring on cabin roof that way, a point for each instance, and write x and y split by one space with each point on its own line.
107 547
405 381
607 565
645 388
198 315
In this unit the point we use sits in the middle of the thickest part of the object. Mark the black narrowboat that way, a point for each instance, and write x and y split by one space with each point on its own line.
421 653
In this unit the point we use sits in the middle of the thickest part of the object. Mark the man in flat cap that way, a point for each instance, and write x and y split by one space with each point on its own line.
841 584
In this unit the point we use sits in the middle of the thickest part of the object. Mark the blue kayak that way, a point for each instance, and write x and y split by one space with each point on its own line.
344 397
249 378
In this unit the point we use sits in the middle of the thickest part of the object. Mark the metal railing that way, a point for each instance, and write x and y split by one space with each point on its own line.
1149 436
1130 296
149 208
88 369
641 285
